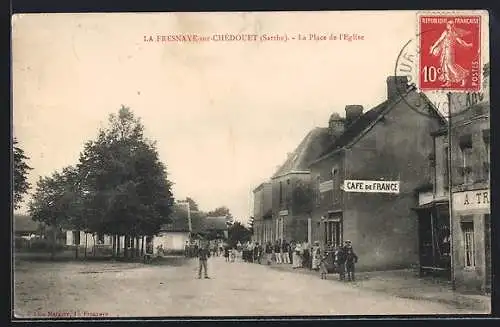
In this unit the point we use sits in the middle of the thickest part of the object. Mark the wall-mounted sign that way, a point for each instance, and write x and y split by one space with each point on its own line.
326 186
284 213
371 186
472 200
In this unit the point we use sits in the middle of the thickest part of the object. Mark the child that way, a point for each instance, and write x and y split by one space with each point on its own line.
233 255
351 260
226 253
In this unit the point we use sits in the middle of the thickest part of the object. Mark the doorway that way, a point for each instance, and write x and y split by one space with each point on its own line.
434 241
333 230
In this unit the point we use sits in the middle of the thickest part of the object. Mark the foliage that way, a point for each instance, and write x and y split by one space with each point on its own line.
126 185
250 224
219 212
55 202
193 206
238 233
21 170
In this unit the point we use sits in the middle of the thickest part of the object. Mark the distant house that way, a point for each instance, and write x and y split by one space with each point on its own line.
26 227
262 213
173 236
291 217
215 227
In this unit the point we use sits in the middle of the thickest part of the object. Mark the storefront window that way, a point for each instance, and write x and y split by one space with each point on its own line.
468 237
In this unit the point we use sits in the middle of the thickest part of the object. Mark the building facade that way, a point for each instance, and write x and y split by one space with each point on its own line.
390 142
262 213
290 186
461 246
471 216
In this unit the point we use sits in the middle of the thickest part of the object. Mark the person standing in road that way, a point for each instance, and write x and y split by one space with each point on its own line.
350 260
269 253
203 255
340 258
285 248
277 252
297 256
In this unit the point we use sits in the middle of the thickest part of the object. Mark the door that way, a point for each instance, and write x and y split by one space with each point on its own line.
487 249
333 231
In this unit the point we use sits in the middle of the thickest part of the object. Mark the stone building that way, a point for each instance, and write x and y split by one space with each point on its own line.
291 214
262 213
390 142
468 239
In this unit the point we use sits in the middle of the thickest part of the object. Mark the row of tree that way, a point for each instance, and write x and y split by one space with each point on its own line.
119 187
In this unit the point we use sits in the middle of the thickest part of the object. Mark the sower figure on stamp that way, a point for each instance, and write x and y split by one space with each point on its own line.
350 260
203 255
445 47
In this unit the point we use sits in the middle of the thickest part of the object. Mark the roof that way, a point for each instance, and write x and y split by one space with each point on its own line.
357 127
369 118
214 223
24 223
311 146
180 221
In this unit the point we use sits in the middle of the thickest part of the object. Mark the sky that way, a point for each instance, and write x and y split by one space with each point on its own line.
224 114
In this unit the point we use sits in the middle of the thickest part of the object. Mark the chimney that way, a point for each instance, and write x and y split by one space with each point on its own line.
336 125
352 112
396 85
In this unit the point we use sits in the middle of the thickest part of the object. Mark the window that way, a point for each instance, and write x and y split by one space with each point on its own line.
76 237
486 163
333 233
280 228
318 193
287 192
466 165
468 238
281 193
446 167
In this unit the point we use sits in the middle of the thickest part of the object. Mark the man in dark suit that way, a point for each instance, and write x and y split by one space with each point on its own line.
203 255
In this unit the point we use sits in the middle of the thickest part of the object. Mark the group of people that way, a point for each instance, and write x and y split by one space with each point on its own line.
341 260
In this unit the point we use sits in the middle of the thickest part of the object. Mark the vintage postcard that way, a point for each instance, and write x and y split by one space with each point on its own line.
251 164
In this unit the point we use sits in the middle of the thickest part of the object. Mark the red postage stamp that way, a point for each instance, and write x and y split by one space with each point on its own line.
450 53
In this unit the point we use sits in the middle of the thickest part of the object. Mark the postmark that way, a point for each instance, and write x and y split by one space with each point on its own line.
449 53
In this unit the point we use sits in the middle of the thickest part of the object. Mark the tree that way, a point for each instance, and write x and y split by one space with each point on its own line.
250 224
193 206
238 233
56 202
21 169
128 193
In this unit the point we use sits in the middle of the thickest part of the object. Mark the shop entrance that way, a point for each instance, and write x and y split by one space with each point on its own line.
333 230
434 239
487 248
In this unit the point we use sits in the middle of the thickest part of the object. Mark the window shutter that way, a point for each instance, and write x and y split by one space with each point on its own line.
465 141
486 136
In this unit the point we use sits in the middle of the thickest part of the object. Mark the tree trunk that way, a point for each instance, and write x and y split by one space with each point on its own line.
113 246
85 254
125 246
142 246
132 247
137 246
118 245
53 247
94 247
